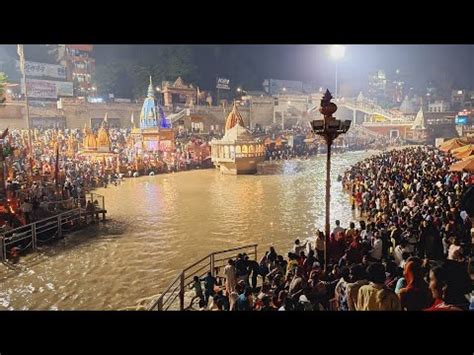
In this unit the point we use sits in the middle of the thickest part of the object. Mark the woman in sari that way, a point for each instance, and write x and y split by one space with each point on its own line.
416 295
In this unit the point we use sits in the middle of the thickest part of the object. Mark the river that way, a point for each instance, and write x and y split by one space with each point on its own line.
159 224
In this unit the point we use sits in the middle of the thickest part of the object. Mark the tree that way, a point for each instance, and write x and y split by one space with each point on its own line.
109 77
166 63
3 82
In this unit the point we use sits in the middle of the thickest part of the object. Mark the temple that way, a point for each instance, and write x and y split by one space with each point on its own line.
178 93
97 148
238 152
418 133
155 132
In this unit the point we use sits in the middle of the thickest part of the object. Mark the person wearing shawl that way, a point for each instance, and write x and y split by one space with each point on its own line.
416 295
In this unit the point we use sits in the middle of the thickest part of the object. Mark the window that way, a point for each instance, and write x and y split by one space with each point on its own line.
80 65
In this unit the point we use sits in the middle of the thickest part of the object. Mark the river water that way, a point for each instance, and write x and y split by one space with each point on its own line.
158 225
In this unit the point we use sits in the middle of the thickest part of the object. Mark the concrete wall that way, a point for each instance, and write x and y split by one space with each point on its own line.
262 111
13 114
78 115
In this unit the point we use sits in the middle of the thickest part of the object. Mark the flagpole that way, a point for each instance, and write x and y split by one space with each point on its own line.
22 64
21 54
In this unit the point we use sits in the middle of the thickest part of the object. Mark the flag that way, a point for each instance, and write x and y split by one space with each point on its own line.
132 120
105 117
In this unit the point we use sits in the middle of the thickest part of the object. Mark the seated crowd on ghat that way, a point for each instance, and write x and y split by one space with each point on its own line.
410 250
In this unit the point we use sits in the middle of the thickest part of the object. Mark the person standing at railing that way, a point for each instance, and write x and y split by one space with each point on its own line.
253 268
26 208
196 285
230 274
90 209
209 285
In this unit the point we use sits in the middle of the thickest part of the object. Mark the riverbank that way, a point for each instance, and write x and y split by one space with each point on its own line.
157 224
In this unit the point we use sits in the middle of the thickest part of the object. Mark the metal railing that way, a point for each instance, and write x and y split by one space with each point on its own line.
213 263
30 236
100 200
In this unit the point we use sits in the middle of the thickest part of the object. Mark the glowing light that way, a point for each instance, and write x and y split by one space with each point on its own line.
239 89
337 51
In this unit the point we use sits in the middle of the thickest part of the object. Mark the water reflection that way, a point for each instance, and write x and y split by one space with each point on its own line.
160 224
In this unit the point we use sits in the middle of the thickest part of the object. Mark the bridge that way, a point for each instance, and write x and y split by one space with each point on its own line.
372 110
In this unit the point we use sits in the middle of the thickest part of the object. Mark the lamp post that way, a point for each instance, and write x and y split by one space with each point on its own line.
329 128
337 53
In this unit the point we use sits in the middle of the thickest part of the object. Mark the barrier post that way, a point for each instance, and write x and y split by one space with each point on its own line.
211 263
181 291
34 244
3 256
160 304
60 227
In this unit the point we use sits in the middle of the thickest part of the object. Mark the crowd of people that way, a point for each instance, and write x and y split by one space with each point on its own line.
54 171
410 251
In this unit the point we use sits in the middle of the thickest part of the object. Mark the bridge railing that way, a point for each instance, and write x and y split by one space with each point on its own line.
213 263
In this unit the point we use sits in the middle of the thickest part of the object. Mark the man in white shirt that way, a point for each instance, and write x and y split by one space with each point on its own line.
338 228
376 251
298 247
398 252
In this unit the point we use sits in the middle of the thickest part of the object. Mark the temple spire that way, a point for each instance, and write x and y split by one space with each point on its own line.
151 92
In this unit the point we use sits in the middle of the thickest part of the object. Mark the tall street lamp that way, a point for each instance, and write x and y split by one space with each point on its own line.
337 53
329 128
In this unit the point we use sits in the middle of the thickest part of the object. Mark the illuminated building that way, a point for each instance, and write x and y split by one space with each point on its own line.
155 132
178 94
238 152
377 85
80 66
96 147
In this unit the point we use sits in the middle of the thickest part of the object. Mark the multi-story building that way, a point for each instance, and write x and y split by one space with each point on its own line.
77 58
289 87
377 85
439 106
458 97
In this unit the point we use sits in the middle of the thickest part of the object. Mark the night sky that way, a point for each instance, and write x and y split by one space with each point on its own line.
417 63
249 65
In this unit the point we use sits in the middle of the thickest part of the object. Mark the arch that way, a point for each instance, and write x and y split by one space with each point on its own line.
226 151
238 149
251 148
245 149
